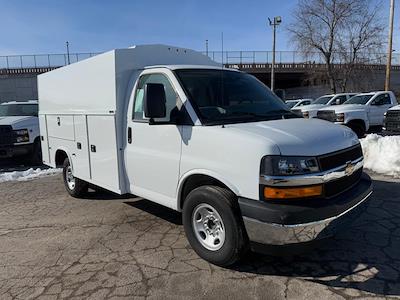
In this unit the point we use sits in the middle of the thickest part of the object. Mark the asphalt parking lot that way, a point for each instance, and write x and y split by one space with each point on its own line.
53 246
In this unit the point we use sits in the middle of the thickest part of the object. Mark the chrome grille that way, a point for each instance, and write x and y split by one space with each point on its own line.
328 115
339 158
392 120
6 135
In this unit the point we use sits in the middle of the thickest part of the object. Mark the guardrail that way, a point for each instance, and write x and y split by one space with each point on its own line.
227 57
41 60
293 57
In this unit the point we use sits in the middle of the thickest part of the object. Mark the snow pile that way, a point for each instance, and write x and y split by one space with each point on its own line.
28 174
382 154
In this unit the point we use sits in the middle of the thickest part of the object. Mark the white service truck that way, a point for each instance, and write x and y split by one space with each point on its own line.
172 126
362 112
19 130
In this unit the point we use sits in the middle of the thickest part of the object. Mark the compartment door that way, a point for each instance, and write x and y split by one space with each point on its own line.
103 151
80 152
61 127
44 139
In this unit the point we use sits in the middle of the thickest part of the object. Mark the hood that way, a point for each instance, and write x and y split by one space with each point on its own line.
300 136
397 107
310 107
19 122
346 108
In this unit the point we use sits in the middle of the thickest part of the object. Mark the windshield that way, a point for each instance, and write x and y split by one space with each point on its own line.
221 97
291 104
13 110
360 99
323 100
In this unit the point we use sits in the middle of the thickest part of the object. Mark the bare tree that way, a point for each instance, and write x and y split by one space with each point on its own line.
333 28
360 43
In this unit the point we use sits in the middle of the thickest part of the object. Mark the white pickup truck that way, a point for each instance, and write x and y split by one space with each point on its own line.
310 111
362 112
170 125
19 130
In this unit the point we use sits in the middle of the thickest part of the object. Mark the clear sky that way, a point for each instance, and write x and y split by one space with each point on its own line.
43 26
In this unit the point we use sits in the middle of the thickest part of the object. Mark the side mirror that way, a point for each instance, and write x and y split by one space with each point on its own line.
154 105
338 101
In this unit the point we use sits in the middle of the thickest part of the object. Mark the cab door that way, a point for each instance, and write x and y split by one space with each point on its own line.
153 152
378 107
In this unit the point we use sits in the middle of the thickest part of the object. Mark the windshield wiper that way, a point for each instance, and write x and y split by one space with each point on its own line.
283 113
245 113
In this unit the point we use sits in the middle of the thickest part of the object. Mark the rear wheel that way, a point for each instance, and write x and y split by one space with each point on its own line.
75 187
213 225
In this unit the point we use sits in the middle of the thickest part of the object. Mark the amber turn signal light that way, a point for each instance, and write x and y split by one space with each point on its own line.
290 193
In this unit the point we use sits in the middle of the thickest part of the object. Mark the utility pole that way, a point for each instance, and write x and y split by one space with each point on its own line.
67 44
207 47
390 46
274 24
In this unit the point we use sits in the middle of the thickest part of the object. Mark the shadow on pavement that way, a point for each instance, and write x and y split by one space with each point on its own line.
157 210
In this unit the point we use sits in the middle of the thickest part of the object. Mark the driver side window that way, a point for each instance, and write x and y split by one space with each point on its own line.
171 97
383 99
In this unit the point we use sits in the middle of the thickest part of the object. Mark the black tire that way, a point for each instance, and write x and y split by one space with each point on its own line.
36 157
225 203
79 188
358 129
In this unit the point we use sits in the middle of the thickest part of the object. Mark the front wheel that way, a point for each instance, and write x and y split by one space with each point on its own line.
213 225
358 129
75 187
36 157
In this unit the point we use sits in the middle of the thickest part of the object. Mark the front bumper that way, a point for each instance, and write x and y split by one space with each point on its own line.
8 151
305 221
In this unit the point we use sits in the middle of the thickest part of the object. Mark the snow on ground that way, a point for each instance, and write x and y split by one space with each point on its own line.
28 174
382 154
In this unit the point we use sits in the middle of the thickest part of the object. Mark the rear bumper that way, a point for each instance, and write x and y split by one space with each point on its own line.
283 224
8 151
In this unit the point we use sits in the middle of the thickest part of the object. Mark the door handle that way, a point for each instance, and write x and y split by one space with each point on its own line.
129 135
93 148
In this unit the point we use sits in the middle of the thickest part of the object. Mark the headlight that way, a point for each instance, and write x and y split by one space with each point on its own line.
21 135
288 165
306 114
340 117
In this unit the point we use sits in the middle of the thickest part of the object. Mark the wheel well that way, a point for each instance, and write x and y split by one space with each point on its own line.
195 181
60 157
358 122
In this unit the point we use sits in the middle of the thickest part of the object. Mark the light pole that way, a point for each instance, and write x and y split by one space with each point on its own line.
390 47
207 47
67 44
274 23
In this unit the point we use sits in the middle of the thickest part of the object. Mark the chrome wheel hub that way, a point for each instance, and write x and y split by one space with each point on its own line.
208 227
70 178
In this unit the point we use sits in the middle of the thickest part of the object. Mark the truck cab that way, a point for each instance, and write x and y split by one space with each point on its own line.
170 125
19 130
310 111
362 112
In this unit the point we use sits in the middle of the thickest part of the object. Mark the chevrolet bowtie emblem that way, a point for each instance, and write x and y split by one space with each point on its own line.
349 168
